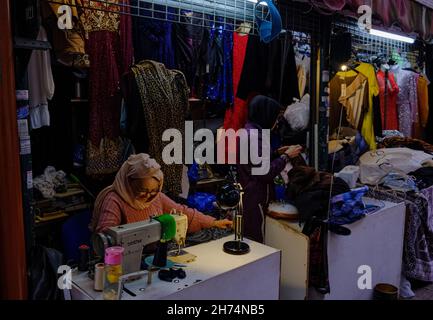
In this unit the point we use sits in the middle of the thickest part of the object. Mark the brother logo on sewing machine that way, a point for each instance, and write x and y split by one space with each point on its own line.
134 242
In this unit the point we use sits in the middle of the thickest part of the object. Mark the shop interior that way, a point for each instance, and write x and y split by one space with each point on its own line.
345 211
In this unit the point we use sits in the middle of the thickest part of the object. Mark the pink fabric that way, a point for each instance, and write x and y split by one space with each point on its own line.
116 212
335 5
407 14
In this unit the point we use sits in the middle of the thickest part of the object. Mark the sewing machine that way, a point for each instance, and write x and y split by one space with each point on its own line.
134 236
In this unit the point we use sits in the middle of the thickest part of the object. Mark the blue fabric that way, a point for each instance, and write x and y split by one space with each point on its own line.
280 192
349 207
220 62
202 201
75 232
193 173
23 112
400 182
268 29
153 38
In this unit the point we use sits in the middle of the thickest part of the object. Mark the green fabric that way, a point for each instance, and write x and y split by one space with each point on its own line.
168 226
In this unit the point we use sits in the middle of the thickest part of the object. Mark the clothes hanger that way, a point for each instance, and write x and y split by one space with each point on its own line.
244 28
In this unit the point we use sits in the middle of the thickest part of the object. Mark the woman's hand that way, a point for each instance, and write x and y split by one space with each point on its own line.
293 151
222 224
282 150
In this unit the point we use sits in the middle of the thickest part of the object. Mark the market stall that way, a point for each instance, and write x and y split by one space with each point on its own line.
232 130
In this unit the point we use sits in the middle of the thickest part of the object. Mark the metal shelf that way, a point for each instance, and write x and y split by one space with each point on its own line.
29 44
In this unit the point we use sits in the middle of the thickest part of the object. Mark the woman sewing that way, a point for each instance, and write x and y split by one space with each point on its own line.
136 195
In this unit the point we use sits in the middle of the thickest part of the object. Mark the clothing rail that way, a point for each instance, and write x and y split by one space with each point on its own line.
230 14
370 45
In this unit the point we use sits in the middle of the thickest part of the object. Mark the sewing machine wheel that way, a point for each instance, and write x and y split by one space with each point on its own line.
100 242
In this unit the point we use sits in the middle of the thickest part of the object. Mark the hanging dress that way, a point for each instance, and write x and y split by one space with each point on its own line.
109 45
388 111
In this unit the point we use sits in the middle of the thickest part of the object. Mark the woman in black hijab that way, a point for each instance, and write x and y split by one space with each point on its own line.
263 113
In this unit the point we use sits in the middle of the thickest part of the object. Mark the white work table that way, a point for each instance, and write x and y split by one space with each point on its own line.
375 241
214 275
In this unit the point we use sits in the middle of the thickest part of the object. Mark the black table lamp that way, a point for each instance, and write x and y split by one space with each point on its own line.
230 197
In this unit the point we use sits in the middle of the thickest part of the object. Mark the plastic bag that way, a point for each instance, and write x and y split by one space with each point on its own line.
202 201
298 114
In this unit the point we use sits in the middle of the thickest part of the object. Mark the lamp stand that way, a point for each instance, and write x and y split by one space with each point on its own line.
238 247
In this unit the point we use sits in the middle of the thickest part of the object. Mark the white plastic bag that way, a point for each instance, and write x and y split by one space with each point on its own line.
298 114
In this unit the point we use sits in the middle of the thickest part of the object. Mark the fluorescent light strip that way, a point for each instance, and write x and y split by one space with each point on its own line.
255 1
392 36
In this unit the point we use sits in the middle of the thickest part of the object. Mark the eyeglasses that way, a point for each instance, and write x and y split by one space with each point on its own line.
147 193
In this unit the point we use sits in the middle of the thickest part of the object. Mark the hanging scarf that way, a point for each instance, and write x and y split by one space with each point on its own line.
164 96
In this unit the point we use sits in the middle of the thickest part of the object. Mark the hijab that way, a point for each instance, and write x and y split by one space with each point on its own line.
139 166
263 111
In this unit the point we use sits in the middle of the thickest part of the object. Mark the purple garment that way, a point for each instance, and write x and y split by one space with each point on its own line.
258 192
407 101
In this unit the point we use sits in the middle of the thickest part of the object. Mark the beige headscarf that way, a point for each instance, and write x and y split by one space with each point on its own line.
138 166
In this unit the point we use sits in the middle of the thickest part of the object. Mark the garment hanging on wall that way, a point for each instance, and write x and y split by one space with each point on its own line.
200 39
407 100
135 127
220 70
236 117
183 46
349 95
270 69
429 74
423 107
164 97
53 145
69 44
388 111
153 38
109 46
41 84
367 129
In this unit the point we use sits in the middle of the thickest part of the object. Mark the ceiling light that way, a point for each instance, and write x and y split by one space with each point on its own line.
392 36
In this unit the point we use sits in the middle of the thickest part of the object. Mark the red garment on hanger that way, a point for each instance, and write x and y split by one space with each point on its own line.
236 117
391 122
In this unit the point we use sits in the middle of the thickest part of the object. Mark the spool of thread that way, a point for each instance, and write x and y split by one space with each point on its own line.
99 277
83 265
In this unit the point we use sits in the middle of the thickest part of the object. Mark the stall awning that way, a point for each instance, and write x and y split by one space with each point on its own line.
409 15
